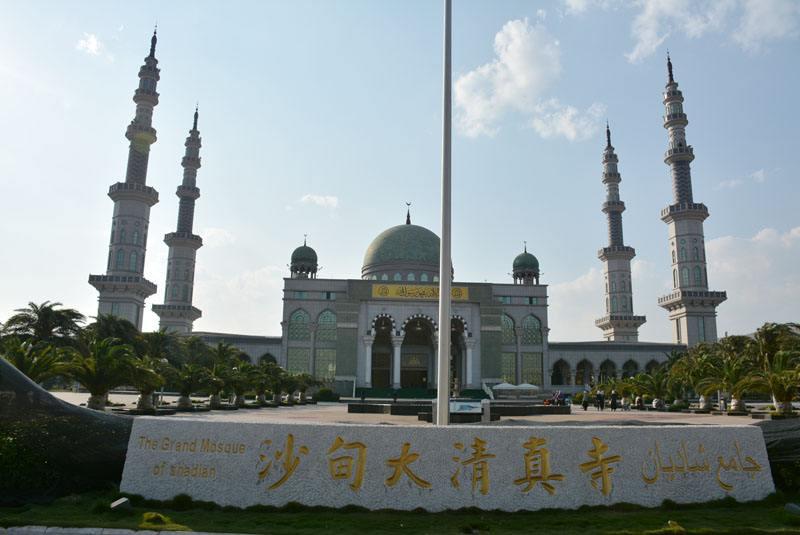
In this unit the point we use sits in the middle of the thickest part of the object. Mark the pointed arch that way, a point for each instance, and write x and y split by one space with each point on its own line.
608 370
560 375
298 328
630 369
531 330
381 319
584 373
507 334
652 366
326 326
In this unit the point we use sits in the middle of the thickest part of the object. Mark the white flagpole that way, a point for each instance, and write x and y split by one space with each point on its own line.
445 270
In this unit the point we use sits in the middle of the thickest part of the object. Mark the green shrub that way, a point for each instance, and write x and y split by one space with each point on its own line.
677 407
326 394
577 399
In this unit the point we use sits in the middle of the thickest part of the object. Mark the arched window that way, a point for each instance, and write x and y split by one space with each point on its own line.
185 295
175 291
613 303
298 326
398 277
133 262
410 277
674 278
326 327
613 286
436 278
630 369
531 330
698 276
624 304
120 259
685 276
384 277
607 305
696 254
683 253
673 256
507 330
423 277
608 370
122 235
560 375
136 237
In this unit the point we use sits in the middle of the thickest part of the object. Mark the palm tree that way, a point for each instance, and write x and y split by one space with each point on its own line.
776 349
162 346
222 361
655 383
690 368
730 370
110 326
147 375
265 376
781 379
239 380
102 365
304 382
196 351
188 378
45 323
39 361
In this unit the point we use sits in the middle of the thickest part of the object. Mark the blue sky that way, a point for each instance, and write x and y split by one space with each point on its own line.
324 118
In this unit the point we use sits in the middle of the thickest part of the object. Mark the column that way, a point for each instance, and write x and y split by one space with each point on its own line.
397 344
470 346
368 340
433 374
518 371
312 327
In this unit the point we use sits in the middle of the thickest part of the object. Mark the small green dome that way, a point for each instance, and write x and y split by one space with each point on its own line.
305 255
402 245
525 261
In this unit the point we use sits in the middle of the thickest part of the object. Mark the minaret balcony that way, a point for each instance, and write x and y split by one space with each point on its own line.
145 95
183 239
687 210
133 191
191 161
611 177
188 192
620 320
675 119
683 298
134 284
177 312
613 206
141 132
616 251
678 154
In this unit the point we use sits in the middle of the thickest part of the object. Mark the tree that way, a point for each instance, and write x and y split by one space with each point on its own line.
102 365
304 382
110 326
265 376
655 383
239 380
147 375
188 378
45 323
691 368
162 346
39 361
776 352
730 370
219 371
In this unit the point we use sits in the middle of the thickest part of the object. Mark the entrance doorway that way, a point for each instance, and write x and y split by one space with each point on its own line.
382 354
416 354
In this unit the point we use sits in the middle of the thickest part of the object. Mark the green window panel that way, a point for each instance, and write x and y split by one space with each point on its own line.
297 359
508 367
298 326
325 364
507 330
532 371
326 327
531 330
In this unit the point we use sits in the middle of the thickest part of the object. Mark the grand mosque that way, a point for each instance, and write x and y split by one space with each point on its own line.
378 330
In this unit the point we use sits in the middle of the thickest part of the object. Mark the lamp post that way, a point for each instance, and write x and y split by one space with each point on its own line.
445 271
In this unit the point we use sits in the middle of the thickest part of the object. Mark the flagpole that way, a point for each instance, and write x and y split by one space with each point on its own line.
445 270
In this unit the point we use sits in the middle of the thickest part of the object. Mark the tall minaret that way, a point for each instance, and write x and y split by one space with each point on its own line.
177 313
619 322
691 306
123 289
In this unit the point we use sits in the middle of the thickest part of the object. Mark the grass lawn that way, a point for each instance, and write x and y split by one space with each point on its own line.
726 516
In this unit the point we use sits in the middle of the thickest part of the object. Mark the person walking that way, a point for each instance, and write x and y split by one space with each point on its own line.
585 400
614 400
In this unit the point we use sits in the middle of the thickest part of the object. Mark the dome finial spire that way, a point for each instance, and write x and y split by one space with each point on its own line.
196 108
153 41
608 135
305 239
525 242
669 69
408 213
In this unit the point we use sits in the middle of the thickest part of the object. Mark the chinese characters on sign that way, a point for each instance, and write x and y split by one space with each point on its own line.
416 291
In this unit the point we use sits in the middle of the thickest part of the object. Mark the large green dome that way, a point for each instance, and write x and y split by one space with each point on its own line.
403 246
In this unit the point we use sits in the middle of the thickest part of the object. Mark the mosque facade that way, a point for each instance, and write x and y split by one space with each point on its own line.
379 331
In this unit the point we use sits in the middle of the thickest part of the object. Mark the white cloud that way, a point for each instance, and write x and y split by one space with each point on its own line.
760 276
217 237
730 184
574 305
555 119
326 201
759 176
526 66
527 63
767 20
90 44
93 46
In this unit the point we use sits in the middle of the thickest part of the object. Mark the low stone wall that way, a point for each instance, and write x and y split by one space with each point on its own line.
435 468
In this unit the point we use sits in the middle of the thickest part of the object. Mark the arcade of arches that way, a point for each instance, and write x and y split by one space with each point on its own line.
307 338
585 373
406 358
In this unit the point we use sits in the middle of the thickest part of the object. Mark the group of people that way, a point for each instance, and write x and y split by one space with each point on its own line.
614 401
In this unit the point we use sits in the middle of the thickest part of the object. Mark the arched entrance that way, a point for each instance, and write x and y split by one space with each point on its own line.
416 354
560 375
458 351
584 373
382 354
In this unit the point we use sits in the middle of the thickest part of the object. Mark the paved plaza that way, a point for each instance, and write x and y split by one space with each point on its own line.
337 413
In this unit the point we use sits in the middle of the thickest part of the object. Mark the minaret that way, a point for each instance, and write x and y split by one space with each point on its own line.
691 306
619 322
177 313
123 289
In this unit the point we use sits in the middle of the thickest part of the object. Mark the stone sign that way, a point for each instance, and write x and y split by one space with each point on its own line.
403 467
